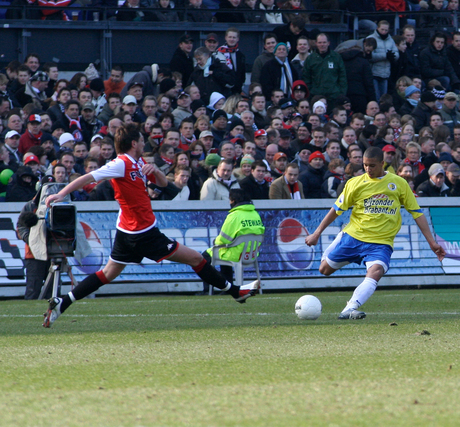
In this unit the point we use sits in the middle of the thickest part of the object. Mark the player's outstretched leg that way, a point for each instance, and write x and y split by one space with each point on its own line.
90 284
210 275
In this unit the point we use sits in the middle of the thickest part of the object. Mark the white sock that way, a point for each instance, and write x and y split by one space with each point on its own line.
362 293
72 298
229 285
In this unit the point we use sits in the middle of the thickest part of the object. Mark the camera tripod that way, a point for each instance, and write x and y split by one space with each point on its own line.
58 266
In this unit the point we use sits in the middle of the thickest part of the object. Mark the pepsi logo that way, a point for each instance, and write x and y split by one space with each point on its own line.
290 239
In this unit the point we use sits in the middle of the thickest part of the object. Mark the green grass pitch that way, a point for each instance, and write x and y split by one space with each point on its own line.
207 361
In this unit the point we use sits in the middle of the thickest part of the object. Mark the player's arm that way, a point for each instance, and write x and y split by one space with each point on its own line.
425 229
160 178
312 239
74 185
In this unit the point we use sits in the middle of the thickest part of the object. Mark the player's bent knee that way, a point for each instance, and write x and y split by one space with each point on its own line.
326 269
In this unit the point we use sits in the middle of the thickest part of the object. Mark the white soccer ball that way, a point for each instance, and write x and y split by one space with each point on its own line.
308 307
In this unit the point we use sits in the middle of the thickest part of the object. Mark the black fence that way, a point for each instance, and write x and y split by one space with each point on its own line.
96 36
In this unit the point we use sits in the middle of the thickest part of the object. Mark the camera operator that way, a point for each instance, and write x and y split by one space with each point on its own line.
36 270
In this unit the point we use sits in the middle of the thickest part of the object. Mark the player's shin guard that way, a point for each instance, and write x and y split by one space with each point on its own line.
210 275
89 285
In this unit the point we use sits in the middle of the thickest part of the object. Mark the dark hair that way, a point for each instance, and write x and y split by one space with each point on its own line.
438 35
112 95
398 39
258 163
270 36
370 41
59 165
124 137
71 102
118 68
32 55
164 148
385 108
374 153
66 153
237 195
48 66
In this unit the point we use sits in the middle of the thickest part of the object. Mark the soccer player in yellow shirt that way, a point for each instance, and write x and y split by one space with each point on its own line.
376 198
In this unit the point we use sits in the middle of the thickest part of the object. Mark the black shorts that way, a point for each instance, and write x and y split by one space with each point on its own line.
132 248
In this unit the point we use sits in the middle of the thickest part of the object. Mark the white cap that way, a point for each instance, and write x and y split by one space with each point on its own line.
12 133
129 99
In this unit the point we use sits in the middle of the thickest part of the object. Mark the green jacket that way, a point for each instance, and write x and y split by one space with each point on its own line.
325 76
242 219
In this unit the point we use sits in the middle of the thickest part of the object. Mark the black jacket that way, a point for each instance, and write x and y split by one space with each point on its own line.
435 63
182 63
312 181
359 74
413 62
253 189
219 81
421 113
229 14
454 58
270 77
427 189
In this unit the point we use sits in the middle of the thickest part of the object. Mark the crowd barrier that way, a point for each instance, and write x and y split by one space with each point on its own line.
286 263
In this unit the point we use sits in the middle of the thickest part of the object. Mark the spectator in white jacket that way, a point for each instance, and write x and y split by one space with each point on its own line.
217 187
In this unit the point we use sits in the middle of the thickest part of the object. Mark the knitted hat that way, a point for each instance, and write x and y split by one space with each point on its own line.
234 123
410 90
445 157
247 160
212 160
198 103
40 76
439 92
167 84
66 137
307 125
91 72
217 114
280 44
97 84
319 104
316 155
428 97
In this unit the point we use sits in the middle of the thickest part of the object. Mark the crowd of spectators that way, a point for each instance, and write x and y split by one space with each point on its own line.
297 130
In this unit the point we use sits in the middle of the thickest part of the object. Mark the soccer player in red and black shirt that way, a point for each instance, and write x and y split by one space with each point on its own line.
137 233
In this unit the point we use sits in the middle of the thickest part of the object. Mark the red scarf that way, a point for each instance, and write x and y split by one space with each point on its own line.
166 160
416 164
295 191
227 52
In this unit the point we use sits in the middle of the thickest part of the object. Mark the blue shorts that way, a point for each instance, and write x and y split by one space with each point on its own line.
346 249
